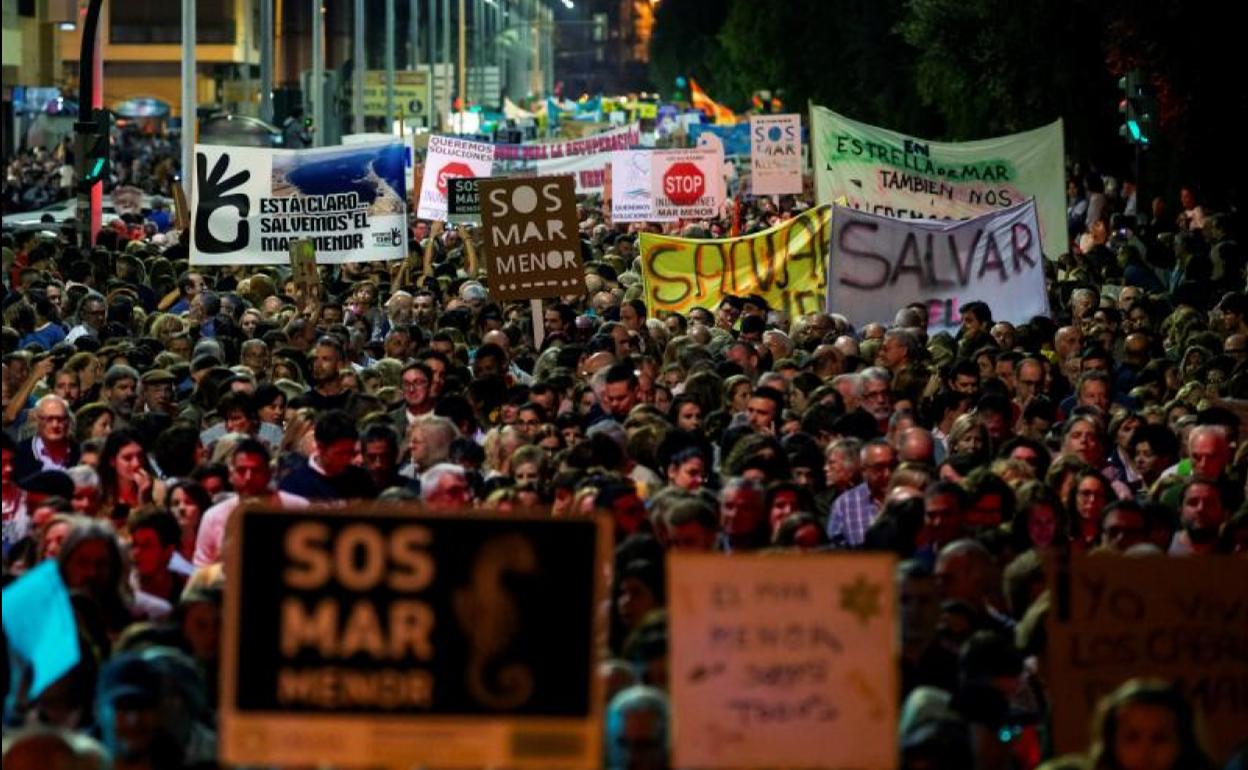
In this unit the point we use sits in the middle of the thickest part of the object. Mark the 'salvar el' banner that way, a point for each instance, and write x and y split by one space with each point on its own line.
249 202
880 264
884 172
786 265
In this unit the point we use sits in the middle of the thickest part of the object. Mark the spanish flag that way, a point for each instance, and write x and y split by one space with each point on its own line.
716 111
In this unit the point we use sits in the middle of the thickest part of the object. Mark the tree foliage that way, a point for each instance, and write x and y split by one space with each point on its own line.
965 69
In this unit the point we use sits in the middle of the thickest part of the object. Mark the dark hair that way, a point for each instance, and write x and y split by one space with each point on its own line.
622 373
116 441
1151 693
334 425
175 449
161 522
251 446
193 490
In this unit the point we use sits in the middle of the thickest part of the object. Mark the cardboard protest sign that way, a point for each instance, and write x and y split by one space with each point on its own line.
632 199
303 266
884 172
789 662
1178 619
776 154
249 202
391 638
687 184
533 244
785 264
880 264
463 202
450 157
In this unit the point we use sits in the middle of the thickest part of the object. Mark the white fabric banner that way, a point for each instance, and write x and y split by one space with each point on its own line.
631 197
450 157
879 264
886 172
687 184
776 154
584 159
249 202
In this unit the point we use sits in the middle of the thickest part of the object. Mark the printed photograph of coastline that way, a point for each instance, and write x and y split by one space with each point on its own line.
373 172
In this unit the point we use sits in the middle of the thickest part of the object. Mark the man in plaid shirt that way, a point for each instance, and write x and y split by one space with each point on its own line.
854 511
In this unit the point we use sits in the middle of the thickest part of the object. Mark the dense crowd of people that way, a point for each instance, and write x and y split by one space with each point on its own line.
145 401
36 177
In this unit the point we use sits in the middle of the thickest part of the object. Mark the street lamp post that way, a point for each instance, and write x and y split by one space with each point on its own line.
266 60
316 88
357 72
189 122
390 64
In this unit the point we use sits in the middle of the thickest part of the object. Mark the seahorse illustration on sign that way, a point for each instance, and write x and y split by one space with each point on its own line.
489 618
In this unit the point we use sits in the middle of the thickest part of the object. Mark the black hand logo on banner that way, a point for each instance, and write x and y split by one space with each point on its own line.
212 188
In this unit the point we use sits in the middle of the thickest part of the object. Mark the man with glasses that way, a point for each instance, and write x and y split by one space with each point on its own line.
417 398
853 512
90 318
51 449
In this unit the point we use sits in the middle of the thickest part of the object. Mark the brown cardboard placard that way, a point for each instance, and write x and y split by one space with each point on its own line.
303 266
1178 619
532 242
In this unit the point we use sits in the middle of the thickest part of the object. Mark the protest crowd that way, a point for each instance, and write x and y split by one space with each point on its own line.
146 400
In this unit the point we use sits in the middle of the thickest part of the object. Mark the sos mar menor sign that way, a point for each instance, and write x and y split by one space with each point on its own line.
688 184
390 638
533 246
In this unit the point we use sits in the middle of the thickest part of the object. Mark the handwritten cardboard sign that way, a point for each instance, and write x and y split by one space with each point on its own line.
880 264
1183 620
363 637
533 244
783 662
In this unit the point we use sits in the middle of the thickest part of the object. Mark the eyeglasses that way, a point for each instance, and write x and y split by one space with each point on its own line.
415 384
53 418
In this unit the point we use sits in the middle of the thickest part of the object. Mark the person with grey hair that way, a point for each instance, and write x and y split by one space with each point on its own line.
52 448
877 394
849 385
429 442
910 318
901 348
444 487
86 499
842 465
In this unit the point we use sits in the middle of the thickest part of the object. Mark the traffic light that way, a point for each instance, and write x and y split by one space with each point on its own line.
1137 109
94 137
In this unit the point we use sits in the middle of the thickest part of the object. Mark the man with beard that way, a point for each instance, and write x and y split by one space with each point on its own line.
121 391
877 395
327 392
425 310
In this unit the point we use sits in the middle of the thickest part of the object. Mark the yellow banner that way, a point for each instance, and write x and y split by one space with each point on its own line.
786 265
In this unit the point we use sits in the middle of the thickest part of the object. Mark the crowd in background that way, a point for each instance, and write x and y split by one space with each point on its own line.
145 400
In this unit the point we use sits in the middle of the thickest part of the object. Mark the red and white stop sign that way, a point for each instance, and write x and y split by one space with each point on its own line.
453 170
684 183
